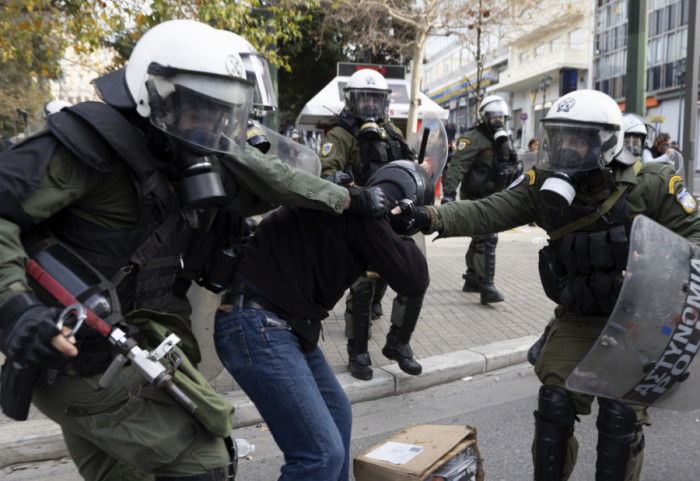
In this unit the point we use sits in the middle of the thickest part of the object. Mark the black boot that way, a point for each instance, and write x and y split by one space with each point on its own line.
489 293
471 284
402 353
359 363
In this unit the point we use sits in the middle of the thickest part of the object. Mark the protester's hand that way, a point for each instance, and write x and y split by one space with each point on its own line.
367 201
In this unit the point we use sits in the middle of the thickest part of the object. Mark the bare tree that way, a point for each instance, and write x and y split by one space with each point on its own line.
406 25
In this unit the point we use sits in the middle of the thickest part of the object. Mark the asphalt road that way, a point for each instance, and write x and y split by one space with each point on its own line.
498 404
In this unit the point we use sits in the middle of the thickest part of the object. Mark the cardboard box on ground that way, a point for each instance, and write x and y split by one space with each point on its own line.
423 453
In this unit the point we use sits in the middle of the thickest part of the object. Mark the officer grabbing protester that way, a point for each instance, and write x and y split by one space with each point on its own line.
585 190
484 163
362 140
292 272
112 206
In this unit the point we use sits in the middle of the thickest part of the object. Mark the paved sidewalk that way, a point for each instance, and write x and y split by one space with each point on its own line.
456 337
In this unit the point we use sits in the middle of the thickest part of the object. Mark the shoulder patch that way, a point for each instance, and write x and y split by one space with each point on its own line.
463 143
530 175
326 149
687 201
672 183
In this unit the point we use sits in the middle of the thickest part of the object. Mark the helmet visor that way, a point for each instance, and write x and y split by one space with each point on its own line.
209 113
570 147
368 103
634 143
257 71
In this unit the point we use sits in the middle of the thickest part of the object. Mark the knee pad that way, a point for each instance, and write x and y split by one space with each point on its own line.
617 425
617 420
555 406
363 293
491 240
554 425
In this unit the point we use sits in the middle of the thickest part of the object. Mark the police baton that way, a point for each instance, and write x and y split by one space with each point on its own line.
146 362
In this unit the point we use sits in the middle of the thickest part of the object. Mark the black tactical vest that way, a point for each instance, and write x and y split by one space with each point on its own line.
583 269
375 152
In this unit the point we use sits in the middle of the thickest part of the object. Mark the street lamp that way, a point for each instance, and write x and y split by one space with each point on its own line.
544 82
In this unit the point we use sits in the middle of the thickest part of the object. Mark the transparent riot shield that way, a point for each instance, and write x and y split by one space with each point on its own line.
646 352
433 147
291 152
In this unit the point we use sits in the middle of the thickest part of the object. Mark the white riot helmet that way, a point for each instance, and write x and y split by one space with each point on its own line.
638 133
582 131
367 95
493 106
55 106
257 71
189 79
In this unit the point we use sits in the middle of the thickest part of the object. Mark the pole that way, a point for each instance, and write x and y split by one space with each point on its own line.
635 95
691 95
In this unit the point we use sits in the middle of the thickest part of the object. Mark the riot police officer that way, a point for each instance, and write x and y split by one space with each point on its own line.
584 191
363 139
484 163
125 191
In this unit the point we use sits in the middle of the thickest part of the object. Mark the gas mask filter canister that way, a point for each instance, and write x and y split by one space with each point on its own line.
558 191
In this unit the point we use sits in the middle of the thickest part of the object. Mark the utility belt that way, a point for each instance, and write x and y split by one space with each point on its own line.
241 296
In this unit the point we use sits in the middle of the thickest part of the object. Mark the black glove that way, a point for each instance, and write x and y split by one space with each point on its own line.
367 201
26 329
340 178
447 198
411 219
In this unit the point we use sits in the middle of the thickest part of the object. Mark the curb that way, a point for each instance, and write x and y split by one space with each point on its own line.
41 439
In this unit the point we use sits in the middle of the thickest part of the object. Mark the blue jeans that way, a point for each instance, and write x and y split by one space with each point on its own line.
296 393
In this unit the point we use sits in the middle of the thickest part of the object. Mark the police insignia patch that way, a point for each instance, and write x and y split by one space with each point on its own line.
686 200
462 144
516 182
326 149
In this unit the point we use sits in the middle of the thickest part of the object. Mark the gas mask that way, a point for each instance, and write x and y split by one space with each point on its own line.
559 190
198 185
369 130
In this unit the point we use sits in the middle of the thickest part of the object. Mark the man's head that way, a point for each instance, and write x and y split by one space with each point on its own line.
190 81
403 180
367 95
533 144
582 131
662 144
493 112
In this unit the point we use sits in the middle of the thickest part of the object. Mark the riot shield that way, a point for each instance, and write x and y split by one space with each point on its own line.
645 353
433 148
291 152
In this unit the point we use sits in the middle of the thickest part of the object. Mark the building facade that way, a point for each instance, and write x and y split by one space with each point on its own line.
581 46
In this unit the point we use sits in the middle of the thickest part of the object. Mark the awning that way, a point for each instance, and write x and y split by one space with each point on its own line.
320 110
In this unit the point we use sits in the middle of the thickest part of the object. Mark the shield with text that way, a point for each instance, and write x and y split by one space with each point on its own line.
646 352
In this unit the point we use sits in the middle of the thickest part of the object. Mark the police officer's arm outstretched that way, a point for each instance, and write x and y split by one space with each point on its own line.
584 191
118 194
